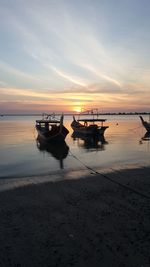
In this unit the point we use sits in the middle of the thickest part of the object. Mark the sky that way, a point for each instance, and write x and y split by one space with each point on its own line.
66 56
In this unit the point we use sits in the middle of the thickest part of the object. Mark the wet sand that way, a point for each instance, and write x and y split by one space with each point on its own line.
100 220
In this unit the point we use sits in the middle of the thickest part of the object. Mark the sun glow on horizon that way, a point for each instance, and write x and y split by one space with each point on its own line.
77 109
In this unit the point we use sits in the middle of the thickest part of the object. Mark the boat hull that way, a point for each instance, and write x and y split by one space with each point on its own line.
146 137
145 124
88 130
58 136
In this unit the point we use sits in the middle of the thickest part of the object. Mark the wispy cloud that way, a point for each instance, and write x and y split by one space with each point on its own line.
76 48
22 92
2 84
67 77
11 70
102 75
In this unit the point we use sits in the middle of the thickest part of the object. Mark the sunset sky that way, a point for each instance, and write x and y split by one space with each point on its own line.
66 55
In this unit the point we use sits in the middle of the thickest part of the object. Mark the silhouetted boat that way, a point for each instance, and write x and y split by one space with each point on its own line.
146 137
58 150
145 124
97 142
51 128
89 126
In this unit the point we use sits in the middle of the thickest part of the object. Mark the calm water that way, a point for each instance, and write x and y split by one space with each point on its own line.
21 155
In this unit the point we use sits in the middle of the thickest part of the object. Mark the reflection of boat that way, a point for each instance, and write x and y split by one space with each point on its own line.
89 125
97 142
51 128
146 137
145 124
57 150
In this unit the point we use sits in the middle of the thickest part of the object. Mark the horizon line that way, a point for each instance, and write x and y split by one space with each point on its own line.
75 113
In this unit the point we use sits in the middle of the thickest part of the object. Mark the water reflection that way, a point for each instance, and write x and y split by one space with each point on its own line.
89 142
57 150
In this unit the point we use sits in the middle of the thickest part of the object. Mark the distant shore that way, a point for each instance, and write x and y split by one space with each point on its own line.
101 220
75 113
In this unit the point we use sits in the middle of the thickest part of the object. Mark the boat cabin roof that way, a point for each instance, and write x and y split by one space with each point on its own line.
91 120
48 121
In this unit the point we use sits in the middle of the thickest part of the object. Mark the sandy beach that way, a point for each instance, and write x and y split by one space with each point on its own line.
99 220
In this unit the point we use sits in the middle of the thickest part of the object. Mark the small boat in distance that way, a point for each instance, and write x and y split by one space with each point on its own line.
145 124
89 125
50 128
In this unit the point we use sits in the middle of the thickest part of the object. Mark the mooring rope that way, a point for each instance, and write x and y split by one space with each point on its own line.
136 128
110 179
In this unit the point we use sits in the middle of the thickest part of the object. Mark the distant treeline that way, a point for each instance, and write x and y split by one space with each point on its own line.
71 114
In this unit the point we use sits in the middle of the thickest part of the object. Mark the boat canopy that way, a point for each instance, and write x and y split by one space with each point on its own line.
48 121
91 120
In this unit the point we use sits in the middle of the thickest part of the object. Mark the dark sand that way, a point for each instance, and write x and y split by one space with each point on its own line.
86 222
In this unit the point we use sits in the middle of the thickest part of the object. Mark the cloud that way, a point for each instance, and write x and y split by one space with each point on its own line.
90 92
2 84
69 78
11 70
102 75
22 92
81 46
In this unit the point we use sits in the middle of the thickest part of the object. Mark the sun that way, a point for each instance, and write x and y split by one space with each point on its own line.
77 109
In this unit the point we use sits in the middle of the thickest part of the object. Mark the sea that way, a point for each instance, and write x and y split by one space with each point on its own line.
22 155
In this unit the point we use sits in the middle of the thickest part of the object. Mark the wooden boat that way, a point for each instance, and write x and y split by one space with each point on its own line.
89 126
146 137
145 124
50 128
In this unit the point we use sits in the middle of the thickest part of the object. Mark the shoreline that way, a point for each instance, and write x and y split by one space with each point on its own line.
92 221
13 182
